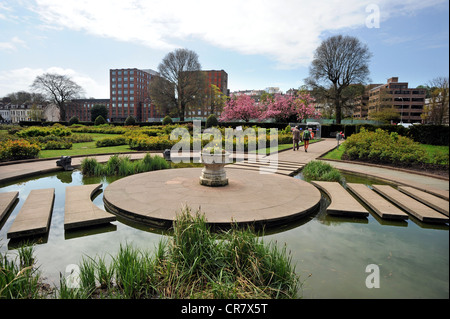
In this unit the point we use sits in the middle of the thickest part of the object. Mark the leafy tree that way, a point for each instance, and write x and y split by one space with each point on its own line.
58 89
98 110
338 62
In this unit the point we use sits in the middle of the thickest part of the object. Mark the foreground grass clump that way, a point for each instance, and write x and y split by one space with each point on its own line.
19 279
195 263
122 166
321 171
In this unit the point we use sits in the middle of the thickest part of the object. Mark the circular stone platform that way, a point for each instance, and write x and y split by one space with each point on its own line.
155 198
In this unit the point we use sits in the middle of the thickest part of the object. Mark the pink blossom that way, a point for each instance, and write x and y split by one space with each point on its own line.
241 107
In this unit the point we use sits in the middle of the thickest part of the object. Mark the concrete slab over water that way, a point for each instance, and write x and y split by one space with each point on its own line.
6 202
342 203
417 209
35 215
437 203
79 209
377 203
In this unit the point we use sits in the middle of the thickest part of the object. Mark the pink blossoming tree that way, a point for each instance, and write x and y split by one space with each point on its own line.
285 108
241 107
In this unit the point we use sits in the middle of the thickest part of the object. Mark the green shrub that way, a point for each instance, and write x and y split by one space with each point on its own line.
57 145
35 131
99 120
73 120
130 120
111 141
212 121
321 171
18 149
167 120
382 147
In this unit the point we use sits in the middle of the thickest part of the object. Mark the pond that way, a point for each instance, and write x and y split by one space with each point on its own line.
330 253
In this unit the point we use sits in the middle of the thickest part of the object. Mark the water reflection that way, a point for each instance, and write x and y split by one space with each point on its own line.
413 257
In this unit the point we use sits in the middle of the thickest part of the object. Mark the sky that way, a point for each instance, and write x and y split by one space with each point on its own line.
259 43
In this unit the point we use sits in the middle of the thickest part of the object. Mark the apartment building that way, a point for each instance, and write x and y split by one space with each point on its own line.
409 102
361 103
129 95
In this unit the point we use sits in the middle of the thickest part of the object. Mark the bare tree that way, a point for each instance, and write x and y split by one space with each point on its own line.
437 111
181 82
338 62
58 89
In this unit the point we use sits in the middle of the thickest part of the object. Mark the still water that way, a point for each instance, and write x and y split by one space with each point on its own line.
330 253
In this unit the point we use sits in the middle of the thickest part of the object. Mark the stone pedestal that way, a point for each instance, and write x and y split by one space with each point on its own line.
213 172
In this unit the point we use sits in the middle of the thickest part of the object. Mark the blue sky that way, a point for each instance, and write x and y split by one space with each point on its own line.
259 43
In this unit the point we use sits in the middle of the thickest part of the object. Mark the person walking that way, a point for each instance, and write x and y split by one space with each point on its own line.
306 138
296 138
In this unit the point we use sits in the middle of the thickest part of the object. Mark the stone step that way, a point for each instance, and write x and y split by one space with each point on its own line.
6 202
80 211
437 203
417 209
376 202
342 203
35 215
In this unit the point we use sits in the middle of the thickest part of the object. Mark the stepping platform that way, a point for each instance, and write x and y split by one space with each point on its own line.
35 215
342 203
79 209
376 202
439 204
417 209
6 202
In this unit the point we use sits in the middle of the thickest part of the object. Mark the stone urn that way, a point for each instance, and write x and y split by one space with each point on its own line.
213 172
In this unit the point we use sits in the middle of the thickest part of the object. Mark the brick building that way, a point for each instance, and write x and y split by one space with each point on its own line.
129 95
81 108
409 102
218 78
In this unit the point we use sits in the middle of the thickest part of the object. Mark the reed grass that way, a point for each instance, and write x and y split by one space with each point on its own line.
194 263
122 165
321 171
19 279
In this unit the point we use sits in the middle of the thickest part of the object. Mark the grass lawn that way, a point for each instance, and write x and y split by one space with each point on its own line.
86 148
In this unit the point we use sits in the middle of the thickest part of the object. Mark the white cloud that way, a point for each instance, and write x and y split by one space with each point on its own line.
286 30
21 80
13 44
